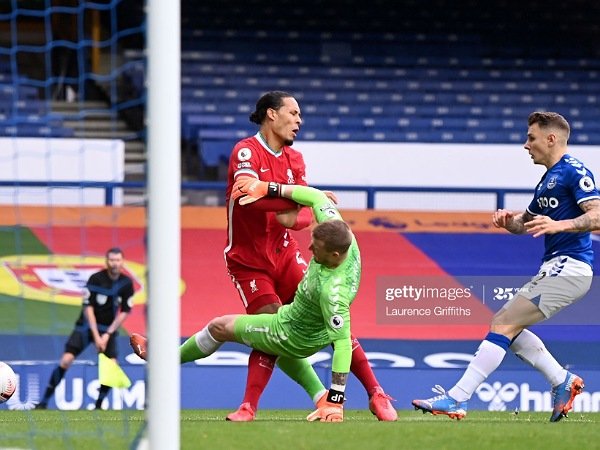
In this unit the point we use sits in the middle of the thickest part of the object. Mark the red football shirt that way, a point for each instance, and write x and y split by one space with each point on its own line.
254 237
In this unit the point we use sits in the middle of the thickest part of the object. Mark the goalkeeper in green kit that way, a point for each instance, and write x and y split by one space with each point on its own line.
320 313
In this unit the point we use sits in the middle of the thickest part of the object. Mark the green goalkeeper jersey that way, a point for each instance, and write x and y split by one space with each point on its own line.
320 313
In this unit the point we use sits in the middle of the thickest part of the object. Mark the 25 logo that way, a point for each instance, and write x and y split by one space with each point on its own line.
505 294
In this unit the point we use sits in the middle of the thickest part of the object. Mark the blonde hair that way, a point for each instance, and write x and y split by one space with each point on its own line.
335 235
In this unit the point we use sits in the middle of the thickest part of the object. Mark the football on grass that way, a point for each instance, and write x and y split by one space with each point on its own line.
8 382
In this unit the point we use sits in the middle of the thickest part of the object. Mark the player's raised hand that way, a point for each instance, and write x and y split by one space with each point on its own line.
248 190
331 196
541 225
502 218
327 412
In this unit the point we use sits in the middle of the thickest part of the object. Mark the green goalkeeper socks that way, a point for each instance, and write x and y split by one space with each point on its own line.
302 372
189 351
198 346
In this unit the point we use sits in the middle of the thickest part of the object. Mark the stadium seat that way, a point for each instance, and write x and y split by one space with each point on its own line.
414 83
192 123
213 152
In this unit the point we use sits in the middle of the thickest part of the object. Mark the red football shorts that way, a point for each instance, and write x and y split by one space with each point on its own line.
258 288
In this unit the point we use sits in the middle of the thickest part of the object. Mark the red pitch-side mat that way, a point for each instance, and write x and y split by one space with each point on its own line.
391 254
209 291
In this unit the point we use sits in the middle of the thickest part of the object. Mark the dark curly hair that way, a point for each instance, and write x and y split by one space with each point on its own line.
273 99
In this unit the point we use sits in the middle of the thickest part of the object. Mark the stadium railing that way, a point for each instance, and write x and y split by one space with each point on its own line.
371 191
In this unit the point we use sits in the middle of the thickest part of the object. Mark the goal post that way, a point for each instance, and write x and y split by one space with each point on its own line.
82 86
164 186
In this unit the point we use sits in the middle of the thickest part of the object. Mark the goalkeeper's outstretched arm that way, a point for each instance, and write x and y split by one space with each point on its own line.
249 190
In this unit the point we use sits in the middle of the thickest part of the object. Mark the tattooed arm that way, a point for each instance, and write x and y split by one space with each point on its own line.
339 378
515 223
589 221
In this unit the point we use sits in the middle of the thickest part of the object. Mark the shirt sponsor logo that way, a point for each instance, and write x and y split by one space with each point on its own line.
545 202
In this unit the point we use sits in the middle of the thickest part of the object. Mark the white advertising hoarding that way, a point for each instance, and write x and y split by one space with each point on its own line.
429 165
53 159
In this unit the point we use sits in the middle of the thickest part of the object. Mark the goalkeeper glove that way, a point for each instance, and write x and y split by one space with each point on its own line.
330 409
249 190
329 412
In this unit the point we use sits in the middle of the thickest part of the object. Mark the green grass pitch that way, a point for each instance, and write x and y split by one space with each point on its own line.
275 429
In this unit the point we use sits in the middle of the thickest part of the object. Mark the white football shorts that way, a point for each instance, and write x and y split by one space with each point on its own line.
560 282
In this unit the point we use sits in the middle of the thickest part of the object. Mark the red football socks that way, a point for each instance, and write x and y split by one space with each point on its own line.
260 369
361 369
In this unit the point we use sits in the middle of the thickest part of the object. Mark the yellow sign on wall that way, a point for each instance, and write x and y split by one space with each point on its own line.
59 278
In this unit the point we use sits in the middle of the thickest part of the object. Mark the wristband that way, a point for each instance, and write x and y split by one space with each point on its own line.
334 396
273 189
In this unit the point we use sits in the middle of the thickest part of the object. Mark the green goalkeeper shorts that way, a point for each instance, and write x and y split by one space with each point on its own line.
263 332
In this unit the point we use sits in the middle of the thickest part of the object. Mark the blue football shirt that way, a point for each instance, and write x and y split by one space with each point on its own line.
558 195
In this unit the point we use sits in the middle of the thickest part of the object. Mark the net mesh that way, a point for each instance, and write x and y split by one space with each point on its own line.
72 139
